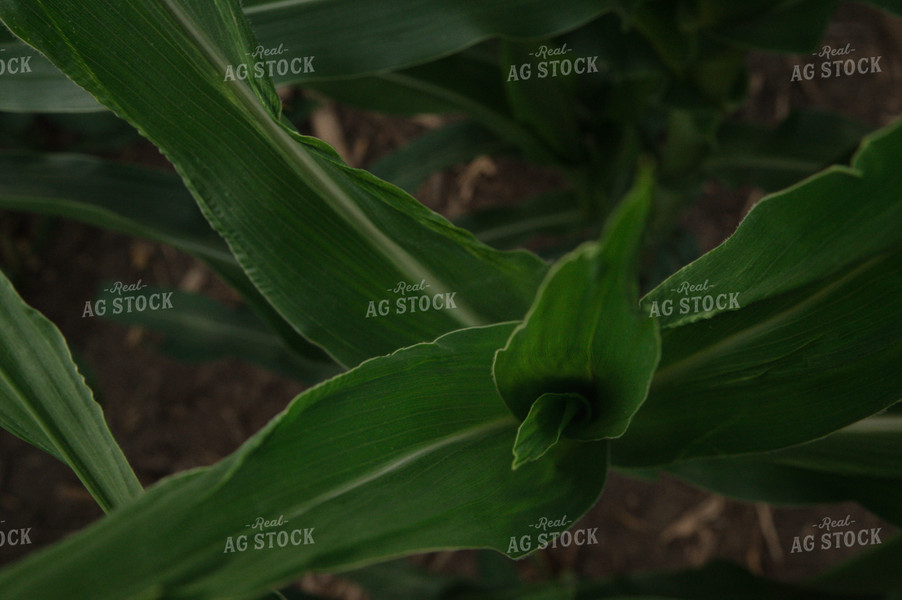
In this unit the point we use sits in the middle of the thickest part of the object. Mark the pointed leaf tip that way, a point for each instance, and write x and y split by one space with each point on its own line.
584 337
544 425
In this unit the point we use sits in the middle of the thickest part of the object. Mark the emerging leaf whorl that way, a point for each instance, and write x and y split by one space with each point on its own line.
581 362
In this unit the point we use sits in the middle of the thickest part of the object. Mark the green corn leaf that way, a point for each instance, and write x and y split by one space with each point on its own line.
803 144
659 23
344 38
324 243
457 83
817 273
355 39
553 214
198 328
133 200
404 453
862 463
776 373
801 235
43 88
715 581
381 43
542 428
795 26
544 105
136 201
463 83
435 150
582 360
44 401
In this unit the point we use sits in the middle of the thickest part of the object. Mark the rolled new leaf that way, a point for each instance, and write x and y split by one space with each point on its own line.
545 423
44 401
581 362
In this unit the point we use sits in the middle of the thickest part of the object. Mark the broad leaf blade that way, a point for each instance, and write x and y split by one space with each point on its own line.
777 373
862 463
140 202
544 105
584 336
198 328
805 143
462 83
405 453
803 234
43 89
555 214
44 401
383 35
345 39
820 323
134 200
320 241
433 151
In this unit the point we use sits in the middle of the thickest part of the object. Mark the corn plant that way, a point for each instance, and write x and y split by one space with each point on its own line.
510 391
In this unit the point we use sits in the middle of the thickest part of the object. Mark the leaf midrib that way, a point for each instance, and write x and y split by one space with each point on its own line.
64 451
299 160
728 343
404 460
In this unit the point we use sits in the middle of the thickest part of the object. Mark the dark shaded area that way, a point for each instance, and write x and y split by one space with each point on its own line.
169 416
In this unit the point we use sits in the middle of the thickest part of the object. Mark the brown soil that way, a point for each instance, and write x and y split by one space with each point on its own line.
170 416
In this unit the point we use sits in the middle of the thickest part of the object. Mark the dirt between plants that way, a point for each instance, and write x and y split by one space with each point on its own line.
169 416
